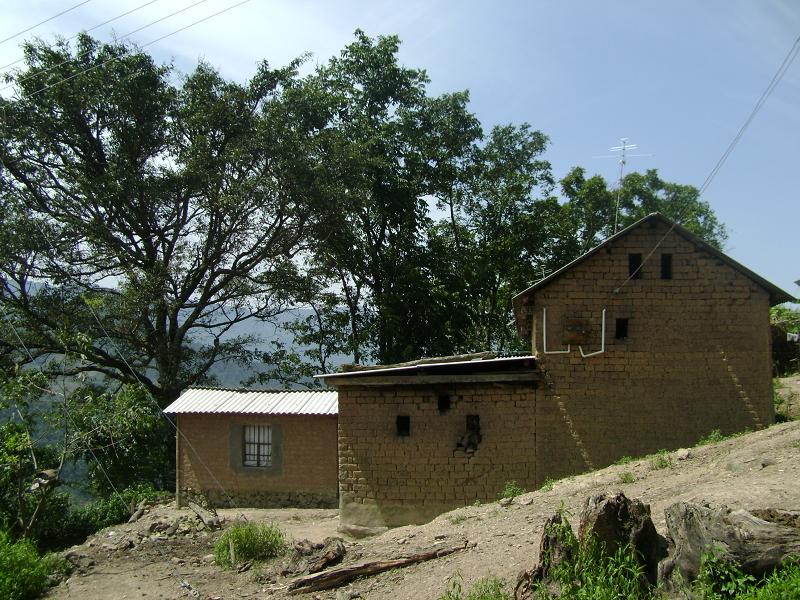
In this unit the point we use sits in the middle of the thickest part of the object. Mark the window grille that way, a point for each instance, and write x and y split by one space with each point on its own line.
257 446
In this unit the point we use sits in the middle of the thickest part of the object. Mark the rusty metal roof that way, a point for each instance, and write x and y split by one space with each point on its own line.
227 401
440 365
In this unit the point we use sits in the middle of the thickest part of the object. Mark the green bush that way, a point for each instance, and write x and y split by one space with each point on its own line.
624 460
251 541
627 477
512 489
22 573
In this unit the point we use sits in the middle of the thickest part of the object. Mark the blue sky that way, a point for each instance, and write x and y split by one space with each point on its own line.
678 78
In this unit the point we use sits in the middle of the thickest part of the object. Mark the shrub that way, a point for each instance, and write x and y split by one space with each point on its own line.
624 460
489 588
660 460
486 588
548 485
512 490
627 477
251 541
22 573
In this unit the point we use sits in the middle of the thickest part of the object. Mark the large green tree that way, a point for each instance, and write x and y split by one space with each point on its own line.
146 215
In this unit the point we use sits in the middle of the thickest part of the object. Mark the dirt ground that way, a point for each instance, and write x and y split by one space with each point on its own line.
758 470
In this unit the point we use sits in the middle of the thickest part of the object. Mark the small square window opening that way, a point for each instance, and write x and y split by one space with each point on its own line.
634 265
443 402
403 425
666 266
621 331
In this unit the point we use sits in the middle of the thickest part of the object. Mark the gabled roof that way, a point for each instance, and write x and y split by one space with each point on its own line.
227 401
776 294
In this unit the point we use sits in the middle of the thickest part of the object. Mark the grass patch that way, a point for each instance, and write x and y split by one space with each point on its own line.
511 490
783 583
660 460
624 460
548 485
255 542
486 588
627 477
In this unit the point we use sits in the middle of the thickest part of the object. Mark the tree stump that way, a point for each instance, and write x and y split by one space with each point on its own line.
754 545
616 521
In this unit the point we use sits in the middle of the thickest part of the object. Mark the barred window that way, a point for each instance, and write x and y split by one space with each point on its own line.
257 446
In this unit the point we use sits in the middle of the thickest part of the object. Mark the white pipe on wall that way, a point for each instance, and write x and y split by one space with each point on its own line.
602 339
544 337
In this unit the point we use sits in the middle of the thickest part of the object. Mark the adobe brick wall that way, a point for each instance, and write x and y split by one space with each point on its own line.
306 475
697 356
390 480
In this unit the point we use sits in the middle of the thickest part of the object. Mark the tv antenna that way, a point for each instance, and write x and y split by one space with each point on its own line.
623 155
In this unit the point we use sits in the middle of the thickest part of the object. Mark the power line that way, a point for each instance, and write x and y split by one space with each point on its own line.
773 83
126 36
91 309
125 14
150 43
63 12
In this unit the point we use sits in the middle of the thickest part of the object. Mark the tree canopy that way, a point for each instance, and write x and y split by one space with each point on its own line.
144 219
148 216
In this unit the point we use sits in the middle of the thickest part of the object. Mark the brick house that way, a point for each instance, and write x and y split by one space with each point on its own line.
256 448
650 340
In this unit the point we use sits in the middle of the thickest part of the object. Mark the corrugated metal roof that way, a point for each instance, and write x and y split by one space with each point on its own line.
227 401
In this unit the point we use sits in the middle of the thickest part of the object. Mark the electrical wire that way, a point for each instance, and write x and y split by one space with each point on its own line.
124 37
98 26
91 309
181 582
150 43
63 12
791 55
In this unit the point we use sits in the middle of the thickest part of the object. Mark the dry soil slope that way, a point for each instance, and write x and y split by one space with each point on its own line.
758 470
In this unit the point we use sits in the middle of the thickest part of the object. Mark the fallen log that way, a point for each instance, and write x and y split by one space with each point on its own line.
756 546
338 577
209 519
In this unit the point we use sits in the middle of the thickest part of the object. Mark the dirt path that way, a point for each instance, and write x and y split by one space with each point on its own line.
759 470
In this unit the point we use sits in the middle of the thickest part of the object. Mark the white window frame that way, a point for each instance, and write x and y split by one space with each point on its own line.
257 446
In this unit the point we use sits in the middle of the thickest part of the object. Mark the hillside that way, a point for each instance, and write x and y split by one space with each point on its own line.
757 470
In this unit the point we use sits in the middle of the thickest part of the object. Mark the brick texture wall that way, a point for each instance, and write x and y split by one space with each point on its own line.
386 479
306 475
696 358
